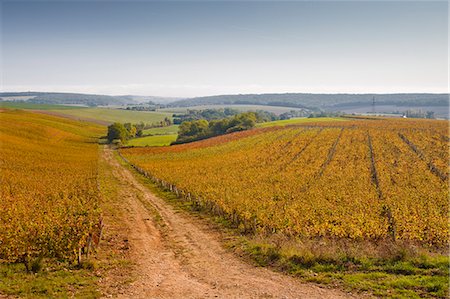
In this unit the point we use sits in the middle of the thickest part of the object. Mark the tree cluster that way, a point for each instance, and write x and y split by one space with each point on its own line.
294 113
123 132
163 123
216 114
148 106
201 129
207 114
325 114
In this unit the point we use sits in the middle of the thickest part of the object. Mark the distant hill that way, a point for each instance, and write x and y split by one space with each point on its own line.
296 100
319 101
144 99
66 98
79 98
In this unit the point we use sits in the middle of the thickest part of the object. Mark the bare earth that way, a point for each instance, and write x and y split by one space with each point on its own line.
177 257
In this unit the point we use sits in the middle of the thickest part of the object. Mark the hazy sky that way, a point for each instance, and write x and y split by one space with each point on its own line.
207 47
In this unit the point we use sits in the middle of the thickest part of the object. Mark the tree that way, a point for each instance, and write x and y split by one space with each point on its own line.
131 129
140 126
117 131
243 121
194 128
139 129
219 127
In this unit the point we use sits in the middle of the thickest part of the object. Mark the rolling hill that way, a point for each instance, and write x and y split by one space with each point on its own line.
360 203
319 179
320 101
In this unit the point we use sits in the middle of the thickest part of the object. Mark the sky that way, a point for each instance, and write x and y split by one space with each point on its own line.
186 49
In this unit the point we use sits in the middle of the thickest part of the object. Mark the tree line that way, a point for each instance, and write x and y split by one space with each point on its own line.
221 113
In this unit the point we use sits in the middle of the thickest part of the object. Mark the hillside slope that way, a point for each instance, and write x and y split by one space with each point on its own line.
319 179
362 203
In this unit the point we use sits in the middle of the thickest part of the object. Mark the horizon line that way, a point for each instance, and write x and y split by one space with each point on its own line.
225 94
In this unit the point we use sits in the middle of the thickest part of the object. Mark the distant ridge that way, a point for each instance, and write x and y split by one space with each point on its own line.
321 101
294 100
80 98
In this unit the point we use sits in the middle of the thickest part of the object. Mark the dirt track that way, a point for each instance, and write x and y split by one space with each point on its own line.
179 258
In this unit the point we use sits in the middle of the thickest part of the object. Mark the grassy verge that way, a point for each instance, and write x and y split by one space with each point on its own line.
112 254
56 280
384 269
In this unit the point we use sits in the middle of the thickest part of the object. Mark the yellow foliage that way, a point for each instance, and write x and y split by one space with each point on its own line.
318 179
48 185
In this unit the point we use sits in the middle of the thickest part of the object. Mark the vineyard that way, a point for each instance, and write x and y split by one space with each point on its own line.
48 187
364 179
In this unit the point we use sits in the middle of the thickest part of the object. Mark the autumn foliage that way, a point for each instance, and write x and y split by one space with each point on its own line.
364 179
48 187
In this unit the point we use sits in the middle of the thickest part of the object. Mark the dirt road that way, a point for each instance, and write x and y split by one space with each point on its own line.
179 258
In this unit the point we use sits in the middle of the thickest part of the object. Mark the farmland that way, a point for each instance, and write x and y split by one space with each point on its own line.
243 108
94 114
115 115
339 193
155 140
293 121
366 169
360 203
33 106
168 130
314 183
49 206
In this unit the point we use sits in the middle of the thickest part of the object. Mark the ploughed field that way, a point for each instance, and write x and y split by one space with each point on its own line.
48 186
361 179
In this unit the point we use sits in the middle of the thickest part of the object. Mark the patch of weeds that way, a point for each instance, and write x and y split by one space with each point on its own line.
88 265
264 254
57 280
36 265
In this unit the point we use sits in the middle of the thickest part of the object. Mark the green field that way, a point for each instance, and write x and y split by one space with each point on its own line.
293 121
169 130
22 105
157 140
117 115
